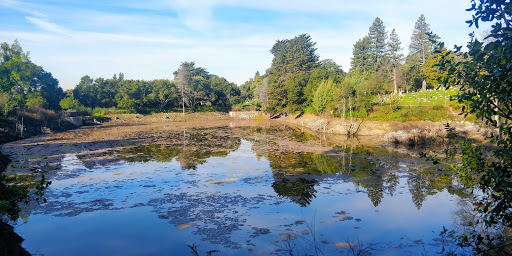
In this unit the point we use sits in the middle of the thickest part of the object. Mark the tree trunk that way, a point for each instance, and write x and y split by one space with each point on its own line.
394 80
183 99
498 120
424 85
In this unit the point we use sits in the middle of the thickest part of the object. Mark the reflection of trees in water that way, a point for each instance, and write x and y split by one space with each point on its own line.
299 189
193 149
296 174
425 182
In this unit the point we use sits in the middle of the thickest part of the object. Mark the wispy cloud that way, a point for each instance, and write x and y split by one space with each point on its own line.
21 6
94 36
149 39
48 26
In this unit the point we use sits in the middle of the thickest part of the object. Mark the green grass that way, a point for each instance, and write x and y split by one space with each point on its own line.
426 98
101 112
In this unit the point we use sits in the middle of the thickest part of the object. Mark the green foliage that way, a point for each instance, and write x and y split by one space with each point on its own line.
70 103
362 56
27 84
292 83
10 199
201 89
394 47
483 77
421 41
377 36
369 51
290 57
35 101
430 69
11 105
323 95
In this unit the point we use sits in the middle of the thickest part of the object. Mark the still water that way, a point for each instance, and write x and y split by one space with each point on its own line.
246 194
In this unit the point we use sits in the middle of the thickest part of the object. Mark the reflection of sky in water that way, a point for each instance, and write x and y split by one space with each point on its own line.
227 203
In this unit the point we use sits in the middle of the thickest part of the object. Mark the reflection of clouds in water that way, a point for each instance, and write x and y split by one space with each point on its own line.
215 216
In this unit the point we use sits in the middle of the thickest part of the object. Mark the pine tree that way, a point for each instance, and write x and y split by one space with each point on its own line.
377 37
370 50
290 56
420 40
421 46
395 57
362 58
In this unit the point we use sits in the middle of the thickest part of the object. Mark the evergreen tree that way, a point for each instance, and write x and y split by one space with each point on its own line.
395 57
362 58
420 40
377 37
290 56
422 44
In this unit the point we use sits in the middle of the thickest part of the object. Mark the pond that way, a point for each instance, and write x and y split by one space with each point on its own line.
245 191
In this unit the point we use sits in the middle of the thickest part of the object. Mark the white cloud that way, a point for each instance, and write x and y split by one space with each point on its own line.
48 26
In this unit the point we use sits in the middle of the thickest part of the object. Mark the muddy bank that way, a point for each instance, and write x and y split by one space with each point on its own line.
381 128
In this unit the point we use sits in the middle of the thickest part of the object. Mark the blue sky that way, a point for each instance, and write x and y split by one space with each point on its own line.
149 39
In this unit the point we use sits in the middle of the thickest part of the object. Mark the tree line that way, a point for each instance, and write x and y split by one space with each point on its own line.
25 86
298 80
193 87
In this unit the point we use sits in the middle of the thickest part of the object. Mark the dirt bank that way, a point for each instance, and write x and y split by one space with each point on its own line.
382 128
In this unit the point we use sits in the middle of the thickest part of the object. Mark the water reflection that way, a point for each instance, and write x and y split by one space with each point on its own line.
373 169
241 193
195 150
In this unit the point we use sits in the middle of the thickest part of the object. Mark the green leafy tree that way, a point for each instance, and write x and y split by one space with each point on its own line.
19 77
35 101
69 102
323 95
163 92
430 70
86 92
44 83
483 77
16 69
132 94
